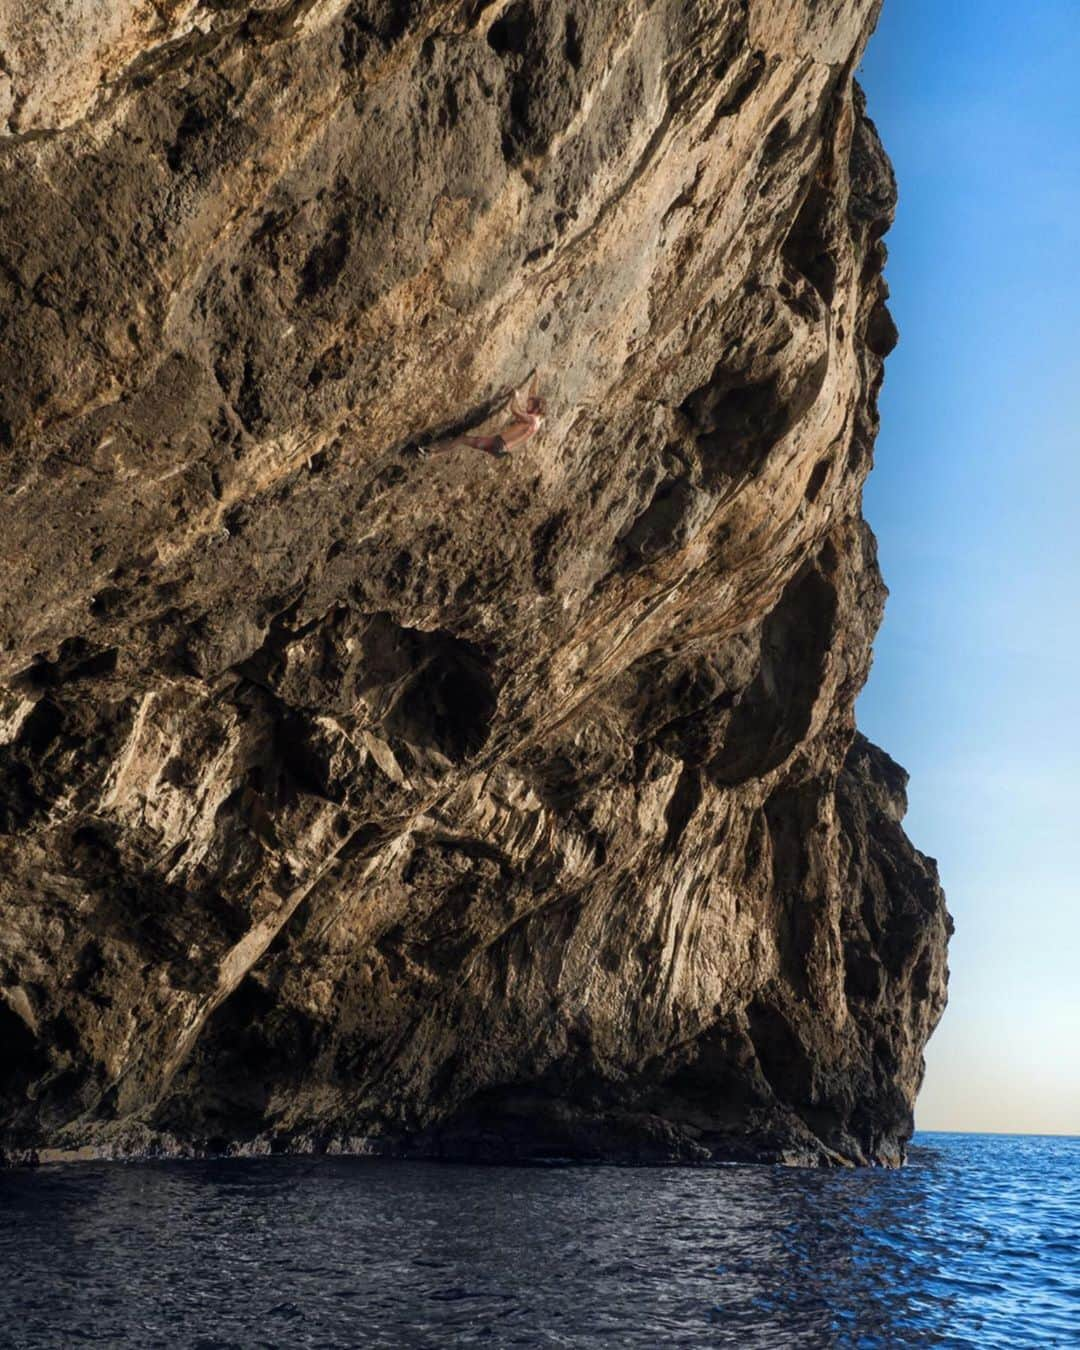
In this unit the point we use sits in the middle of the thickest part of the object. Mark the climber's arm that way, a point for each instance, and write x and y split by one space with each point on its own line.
519 406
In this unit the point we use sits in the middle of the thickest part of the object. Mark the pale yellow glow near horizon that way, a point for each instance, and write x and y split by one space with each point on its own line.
1007 1077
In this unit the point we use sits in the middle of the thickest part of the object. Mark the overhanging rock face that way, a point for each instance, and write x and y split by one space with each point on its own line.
445 804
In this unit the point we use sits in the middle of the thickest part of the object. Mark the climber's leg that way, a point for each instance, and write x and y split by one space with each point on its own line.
493 445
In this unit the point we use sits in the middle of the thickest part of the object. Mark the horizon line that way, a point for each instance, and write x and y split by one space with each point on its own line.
1004 1134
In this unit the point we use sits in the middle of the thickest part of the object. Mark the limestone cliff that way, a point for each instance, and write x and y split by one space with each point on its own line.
355 797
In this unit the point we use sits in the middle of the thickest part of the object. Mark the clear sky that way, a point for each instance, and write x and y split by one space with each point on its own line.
975 499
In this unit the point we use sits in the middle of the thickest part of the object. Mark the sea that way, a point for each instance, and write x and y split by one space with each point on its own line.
976 1242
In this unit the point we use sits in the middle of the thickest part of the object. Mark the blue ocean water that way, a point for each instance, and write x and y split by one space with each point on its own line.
975 1243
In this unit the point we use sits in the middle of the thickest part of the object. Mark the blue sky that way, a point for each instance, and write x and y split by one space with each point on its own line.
975 499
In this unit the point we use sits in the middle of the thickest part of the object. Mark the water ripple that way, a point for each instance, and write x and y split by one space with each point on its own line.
975 1244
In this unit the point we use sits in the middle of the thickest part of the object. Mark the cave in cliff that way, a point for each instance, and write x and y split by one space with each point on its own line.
361 790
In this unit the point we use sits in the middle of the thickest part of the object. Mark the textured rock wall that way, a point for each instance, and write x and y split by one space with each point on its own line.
357 798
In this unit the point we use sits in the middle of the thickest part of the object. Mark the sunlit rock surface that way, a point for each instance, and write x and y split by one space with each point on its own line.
355 798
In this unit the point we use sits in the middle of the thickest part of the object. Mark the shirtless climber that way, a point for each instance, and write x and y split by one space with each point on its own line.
527 420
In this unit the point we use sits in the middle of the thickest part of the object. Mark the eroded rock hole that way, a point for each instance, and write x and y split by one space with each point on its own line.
776 142
808 248
780 1053
77 660
684 801
545 542
744 88
817 479
326 260
23 1059
572 44
738 424
449 702
365 21
509 35
774 713
676 510
192 125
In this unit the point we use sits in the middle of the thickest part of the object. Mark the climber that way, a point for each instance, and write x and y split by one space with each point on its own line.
528 418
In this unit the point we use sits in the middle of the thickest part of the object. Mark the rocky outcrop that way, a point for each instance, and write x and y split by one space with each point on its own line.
359 798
